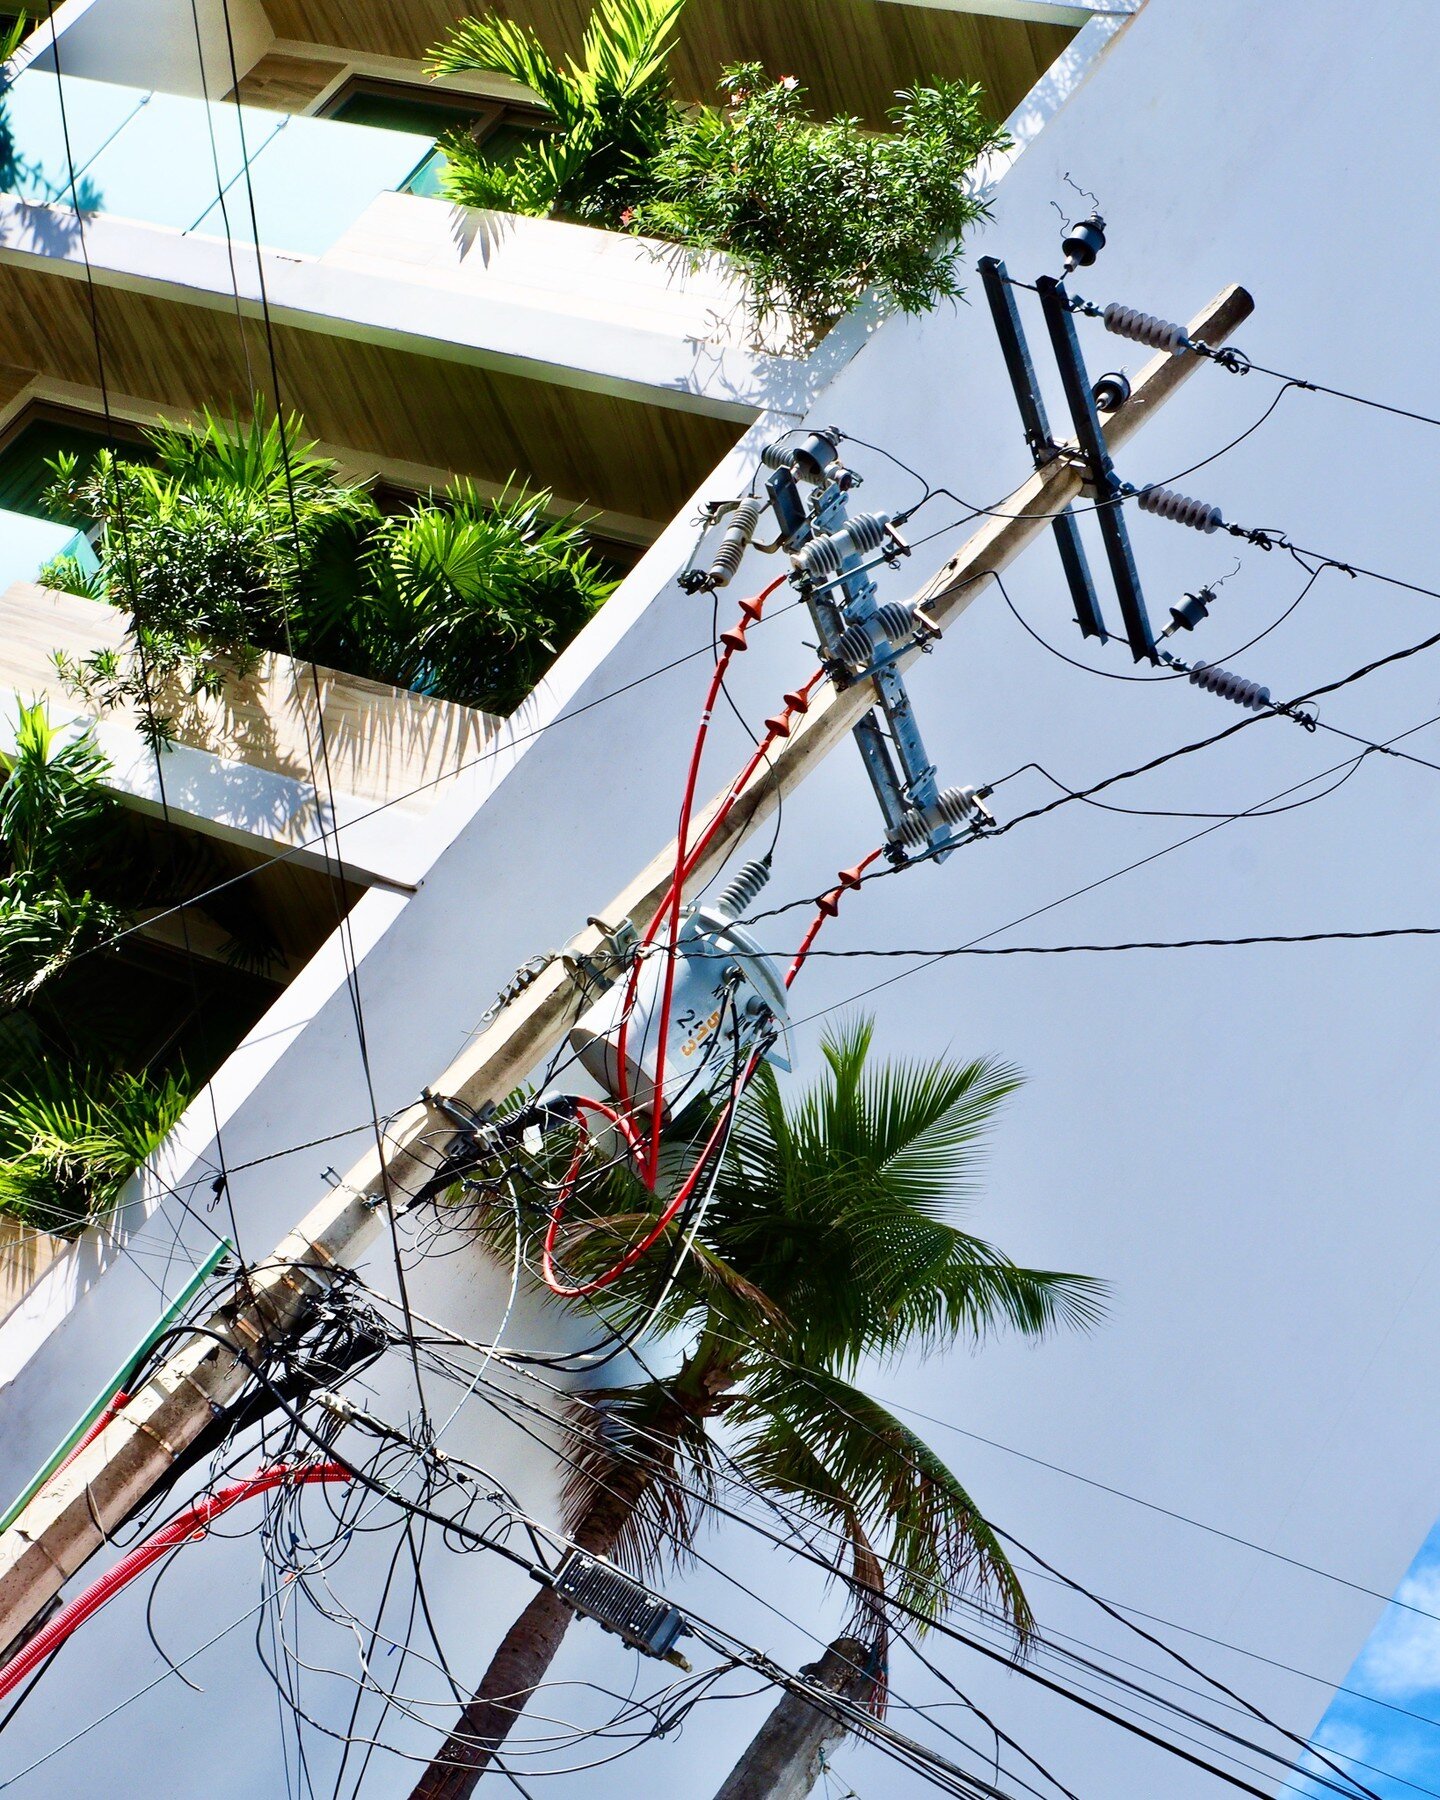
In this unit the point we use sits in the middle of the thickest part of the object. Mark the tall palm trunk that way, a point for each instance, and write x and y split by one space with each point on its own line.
528 1648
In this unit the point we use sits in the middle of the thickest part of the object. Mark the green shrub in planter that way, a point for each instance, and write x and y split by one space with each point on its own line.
817 214
610 111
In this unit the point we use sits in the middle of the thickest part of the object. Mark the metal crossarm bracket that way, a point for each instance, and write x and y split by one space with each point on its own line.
1089 451
1055 304
891 747
601 967
1016 352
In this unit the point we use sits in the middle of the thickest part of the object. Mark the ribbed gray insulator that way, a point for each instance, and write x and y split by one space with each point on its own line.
1165 503
742 889
955 806
777 455
1145 328
823 556
1230 686
734 542
894 622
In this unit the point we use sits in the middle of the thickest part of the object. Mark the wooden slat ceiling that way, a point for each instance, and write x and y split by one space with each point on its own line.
613 454
851 54
299 906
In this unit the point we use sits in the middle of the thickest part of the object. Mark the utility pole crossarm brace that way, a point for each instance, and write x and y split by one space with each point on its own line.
73 1514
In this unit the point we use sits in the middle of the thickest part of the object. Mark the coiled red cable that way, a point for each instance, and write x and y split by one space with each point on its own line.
194 1522
687 857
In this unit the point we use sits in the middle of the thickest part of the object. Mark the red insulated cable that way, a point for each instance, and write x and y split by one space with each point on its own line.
743 779
796 702
194 1522
687 857
671 1207
117 1401
750 612
828 906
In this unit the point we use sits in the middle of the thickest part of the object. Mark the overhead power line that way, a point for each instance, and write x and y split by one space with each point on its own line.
1210 943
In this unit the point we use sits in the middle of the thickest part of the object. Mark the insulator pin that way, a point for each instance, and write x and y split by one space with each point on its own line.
1145 328
823 556
1230 686
955 806
1083 242
742 889
1181 509
893 624
1191 610
734 542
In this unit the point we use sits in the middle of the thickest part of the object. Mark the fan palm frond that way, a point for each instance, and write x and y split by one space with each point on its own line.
72 1138
609 109
647 1464
41 934
496 45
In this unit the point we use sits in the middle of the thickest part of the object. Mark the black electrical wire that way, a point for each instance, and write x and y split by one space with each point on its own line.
1241 1702
382 806
481 1541
1238 363
1174 675
496 1399
1150 1638
1116 499
330 850
146 694
1208 943
713 1505
1071 795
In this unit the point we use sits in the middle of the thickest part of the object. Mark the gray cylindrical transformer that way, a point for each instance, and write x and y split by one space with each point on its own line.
713 958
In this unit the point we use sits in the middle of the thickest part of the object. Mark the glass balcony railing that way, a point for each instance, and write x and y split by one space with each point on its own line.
27 543
165 159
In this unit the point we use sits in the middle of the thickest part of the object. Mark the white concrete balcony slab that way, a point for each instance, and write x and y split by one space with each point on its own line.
156 192
247 766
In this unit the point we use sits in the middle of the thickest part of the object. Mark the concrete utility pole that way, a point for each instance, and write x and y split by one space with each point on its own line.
782 1761
73 1514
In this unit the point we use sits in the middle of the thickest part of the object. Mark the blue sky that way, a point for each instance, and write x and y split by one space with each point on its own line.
1400 1665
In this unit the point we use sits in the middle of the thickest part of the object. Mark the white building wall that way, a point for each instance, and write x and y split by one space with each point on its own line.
1240 1141
153 43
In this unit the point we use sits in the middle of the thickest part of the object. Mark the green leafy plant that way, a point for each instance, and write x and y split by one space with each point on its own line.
466 598
72 1138
817 215
56 821
200 546
831 1240
55 812
474 598
13 35
610 111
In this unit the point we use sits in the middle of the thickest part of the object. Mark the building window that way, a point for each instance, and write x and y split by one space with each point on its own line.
503 127
38 435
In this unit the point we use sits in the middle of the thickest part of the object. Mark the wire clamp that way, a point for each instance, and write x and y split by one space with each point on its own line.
616 950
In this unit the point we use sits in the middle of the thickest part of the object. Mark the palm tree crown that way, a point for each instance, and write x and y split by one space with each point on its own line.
830 1240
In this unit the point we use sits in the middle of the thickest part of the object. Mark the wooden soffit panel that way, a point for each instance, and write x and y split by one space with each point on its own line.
853 55
617 455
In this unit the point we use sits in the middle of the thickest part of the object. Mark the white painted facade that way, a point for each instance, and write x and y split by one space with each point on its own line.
1242 1147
